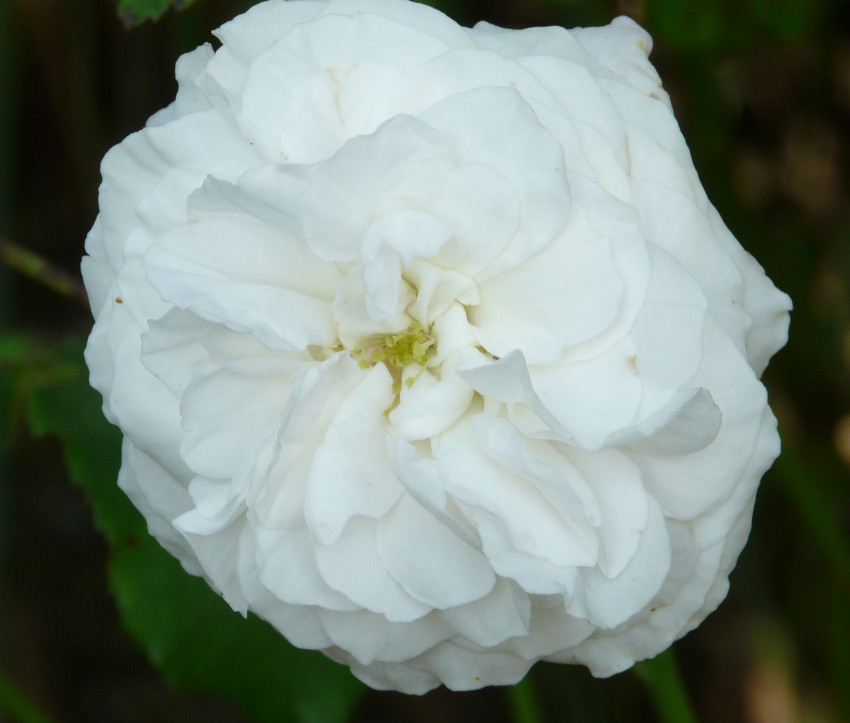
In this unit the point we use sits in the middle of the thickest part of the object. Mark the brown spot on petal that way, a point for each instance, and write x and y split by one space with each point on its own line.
119 300
632 362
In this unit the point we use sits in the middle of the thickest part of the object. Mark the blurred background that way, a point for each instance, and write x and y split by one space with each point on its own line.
762 91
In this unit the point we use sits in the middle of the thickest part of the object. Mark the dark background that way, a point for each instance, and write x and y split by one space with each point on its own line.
762 91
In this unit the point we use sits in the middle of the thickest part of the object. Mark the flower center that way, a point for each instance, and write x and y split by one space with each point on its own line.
414 345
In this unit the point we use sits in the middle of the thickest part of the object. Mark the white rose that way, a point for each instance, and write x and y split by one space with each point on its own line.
427 345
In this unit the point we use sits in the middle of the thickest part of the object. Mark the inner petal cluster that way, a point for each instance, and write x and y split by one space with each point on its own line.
413 346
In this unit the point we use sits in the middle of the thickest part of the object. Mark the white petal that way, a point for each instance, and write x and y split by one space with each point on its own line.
391 244
352 565
496 127
623 505
508 380
482 207
248 34
454 334
504 613
596 118
369 637
667 331
687 423
309 411
219 555
172 345
539 463
552 630
392 676
463 669
534 574
325 77
351 473
735 510
239 272
98 275
533 525
354 324
689 485
287 567
431 403
568 292
133 398
429 21
623 47
766 306
438 290
160 497
422 479
299 624
591 399
612 601
227 412
429 560
343 192
511 43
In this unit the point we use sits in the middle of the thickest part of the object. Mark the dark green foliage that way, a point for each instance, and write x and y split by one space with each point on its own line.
699 26
135 12
190 634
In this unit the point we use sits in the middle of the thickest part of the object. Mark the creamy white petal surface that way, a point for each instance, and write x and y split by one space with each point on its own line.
428 346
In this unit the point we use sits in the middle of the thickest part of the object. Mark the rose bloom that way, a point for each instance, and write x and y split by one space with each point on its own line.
427 345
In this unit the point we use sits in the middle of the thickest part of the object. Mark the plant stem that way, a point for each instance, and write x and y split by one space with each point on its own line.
38 268
665 688
524 703
13 701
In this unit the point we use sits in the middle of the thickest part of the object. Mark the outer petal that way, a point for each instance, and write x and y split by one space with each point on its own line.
429 560
344 481
353 566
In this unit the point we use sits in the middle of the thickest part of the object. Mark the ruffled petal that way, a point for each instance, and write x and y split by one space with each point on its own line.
343 481
352 565
429 560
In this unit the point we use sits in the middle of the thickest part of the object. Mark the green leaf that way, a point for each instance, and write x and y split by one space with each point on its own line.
135 12
190 634
26 363
198 642
696 27
689 25
71 410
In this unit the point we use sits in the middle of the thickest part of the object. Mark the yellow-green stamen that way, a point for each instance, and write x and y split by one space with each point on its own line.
414 345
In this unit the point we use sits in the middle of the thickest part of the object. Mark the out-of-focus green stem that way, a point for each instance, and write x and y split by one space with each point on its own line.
38 268
664 686
815 507
13 701
524 703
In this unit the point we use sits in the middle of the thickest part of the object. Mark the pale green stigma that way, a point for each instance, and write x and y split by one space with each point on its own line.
414 345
